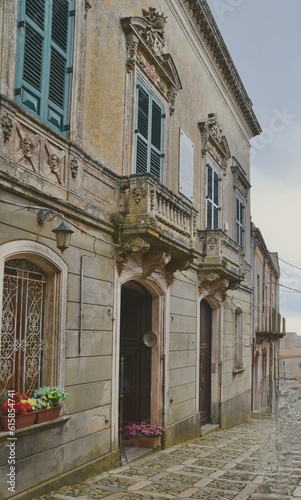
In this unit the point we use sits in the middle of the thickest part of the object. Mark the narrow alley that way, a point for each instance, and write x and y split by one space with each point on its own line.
260 460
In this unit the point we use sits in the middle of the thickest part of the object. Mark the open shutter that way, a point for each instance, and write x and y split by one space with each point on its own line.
142 131
149 133
209 197
43 76
216 207
156 140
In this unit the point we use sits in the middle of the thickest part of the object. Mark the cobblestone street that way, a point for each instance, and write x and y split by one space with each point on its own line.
260 460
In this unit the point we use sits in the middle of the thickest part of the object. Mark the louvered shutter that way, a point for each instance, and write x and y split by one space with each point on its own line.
156 139
239 221
43 81
148 132
212 198
209 197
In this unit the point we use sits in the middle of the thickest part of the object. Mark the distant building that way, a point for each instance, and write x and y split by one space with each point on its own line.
129 123
268 326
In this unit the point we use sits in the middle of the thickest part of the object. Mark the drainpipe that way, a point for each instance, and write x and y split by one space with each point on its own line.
81 285
253 320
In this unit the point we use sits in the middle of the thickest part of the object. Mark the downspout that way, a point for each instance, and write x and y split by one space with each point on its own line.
81 300
253 320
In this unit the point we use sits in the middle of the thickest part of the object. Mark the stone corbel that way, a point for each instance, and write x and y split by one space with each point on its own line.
155 260
213 283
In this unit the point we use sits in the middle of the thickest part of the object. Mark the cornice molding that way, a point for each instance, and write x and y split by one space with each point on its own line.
208 30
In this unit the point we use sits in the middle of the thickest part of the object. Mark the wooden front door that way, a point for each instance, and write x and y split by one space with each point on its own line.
135 321
205 362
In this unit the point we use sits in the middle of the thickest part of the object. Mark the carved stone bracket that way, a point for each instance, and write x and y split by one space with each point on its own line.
240 181
214 142
145 44
7 126
213 283
155 260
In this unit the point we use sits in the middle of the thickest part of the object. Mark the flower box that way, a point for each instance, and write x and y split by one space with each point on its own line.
48 414
143 442
18 421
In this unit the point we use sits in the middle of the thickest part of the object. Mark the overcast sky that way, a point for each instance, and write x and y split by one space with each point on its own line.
264 40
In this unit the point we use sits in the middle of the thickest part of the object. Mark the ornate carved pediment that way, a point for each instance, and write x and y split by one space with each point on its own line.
214 142
145 44
240 181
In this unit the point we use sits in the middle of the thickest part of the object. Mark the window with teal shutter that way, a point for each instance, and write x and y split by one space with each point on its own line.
44 60
239 221
148 133
212 198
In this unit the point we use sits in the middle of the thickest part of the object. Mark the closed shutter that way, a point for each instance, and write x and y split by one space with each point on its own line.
149 129
43 81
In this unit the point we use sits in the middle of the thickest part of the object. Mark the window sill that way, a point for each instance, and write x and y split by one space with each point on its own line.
238 370
33 429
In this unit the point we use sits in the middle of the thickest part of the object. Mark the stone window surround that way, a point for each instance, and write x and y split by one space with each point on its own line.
56 270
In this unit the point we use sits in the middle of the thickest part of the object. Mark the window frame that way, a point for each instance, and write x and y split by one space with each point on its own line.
148 141
44 108
213 199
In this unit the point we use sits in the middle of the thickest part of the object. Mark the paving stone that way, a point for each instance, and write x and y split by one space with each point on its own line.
260 460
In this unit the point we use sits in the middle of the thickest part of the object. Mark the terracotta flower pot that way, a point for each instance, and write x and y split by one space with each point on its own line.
48 414
20 421
143 442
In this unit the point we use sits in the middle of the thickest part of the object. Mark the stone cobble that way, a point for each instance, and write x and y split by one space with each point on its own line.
260 460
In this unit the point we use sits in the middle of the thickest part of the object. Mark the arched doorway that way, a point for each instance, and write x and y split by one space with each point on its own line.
135 321
205 362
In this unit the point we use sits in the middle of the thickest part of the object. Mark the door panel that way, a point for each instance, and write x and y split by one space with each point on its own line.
135 321
205 362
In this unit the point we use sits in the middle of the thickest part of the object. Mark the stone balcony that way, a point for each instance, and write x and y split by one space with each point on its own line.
220 267
155 222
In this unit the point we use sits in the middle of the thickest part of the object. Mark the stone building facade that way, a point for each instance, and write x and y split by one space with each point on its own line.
268 326
130 123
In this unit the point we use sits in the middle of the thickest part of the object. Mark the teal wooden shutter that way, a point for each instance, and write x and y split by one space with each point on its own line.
239 221
149 133
45 46
212 198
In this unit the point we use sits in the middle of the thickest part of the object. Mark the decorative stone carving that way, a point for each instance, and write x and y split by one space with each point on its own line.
138 193
145 44
28 146
213 283
87 7
55 161
7 126
214 142
74 167
135 244
240 181
155 260
131 45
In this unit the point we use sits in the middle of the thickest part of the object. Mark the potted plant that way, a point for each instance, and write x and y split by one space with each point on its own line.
48 403
143 434
17 411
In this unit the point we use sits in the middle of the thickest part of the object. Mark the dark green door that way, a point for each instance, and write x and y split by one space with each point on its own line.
205 362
